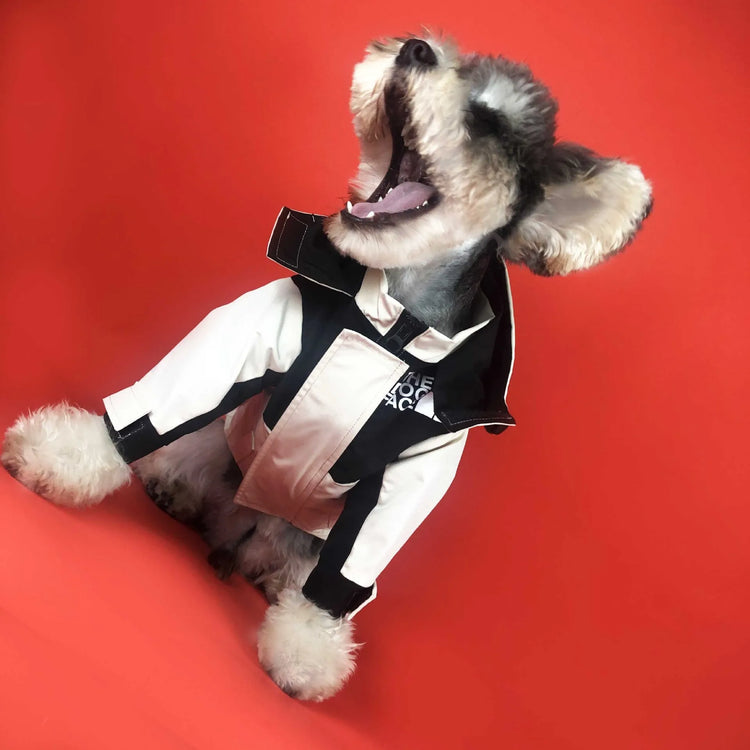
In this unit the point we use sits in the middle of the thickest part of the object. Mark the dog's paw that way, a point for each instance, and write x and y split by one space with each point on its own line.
174 497
224 561
64 454
307 652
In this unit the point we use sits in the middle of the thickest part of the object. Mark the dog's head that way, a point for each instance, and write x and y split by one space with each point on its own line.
455 148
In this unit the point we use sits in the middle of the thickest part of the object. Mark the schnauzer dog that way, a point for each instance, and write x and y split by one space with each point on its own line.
307 428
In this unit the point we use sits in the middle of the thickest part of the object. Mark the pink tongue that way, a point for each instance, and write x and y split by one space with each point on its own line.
403 197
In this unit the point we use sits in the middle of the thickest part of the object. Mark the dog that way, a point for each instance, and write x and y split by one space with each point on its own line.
307 428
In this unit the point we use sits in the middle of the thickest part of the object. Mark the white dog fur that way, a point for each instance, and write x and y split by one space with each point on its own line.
308 653
64 454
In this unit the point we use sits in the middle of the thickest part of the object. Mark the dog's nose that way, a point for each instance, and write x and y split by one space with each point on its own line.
416 53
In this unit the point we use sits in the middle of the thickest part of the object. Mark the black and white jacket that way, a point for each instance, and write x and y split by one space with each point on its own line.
346 414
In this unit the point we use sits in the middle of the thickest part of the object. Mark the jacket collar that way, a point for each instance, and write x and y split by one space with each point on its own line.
299 243
383 311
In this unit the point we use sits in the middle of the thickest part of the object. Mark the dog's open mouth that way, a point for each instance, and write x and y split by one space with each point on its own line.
405 191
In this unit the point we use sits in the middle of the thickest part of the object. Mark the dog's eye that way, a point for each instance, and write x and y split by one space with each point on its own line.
482 121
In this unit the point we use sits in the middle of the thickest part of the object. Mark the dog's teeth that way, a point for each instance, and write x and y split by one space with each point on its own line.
349 206
380 199
370 215
425 203
389 190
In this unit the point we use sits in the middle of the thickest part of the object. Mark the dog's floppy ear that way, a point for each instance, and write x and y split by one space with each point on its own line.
592 207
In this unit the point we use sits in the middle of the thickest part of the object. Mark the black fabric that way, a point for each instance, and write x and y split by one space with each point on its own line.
326 586
299 243
140 438
329 590
360 500
136 440
471 380
495 286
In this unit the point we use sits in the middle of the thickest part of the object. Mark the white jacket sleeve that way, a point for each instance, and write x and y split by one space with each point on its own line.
234 345
380 514
412 487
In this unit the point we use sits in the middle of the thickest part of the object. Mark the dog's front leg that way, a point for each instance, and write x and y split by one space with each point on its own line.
307 652
64 454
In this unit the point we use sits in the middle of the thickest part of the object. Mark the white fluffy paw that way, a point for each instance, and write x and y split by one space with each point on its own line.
308 653
64 454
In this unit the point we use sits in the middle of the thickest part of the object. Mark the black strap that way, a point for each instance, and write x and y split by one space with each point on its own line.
404 330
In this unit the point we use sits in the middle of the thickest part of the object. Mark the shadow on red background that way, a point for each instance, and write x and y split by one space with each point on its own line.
583 585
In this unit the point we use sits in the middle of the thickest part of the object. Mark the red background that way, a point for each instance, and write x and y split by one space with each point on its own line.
585 583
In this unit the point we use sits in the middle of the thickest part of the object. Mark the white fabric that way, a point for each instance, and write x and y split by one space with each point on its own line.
373 300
